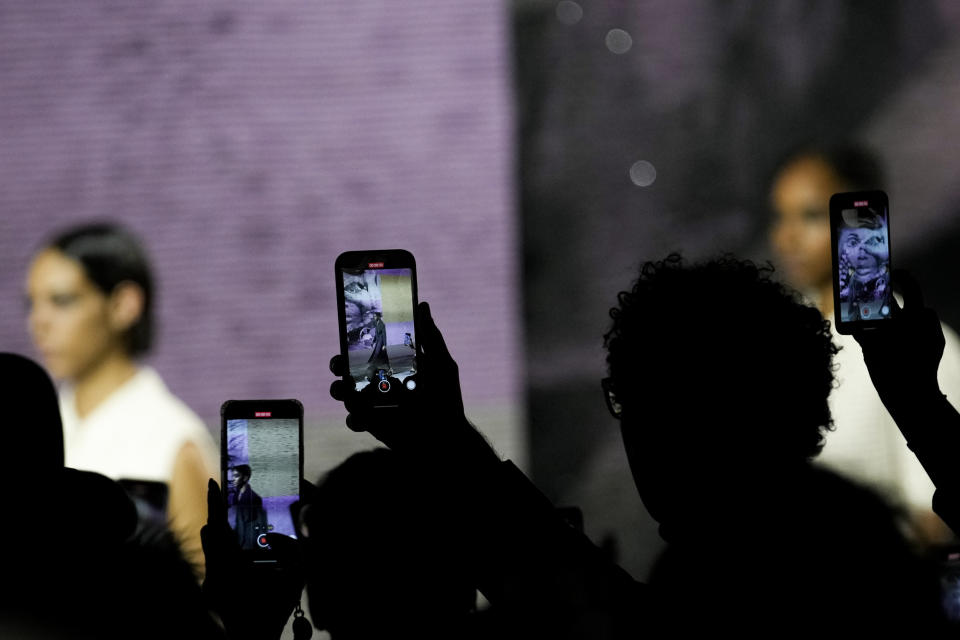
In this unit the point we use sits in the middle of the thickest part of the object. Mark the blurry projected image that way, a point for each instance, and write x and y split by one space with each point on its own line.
263 477
864 255
248 145
381 342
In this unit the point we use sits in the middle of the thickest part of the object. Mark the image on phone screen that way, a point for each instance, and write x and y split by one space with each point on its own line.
950 584
262 477
863 254
380 336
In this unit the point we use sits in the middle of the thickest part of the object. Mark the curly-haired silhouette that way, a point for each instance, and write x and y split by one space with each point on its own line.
719 377
722 376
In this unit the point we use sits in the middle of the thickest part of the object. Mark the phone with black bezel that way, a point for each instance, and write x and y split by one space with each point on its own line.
261 466
377 301
860 243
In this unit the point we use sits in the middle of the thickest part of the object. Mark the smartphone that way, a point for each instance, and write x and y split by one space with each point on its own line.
377 298
949 564
860 242
261 464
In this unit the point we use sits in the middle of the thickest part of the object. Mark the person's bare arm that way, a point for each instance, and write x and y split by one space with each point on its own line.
187 505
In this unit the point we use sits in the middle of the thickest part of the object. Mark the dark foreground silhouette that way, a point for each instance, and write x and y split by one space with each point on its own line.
903 359
719 377
720 412
76 565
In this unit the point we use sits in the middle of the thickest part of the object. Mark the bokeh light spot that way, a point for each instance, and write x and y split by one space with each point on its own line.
569 12
642 173
619 41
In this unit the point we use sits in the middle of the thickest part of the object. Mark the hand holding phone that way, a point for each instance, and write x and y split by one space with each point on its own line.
432 425
254 600
904 355
860 243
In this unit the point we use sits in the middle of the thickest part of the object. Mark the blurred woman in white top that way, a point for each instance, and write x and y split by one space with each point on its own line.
866 445
91 301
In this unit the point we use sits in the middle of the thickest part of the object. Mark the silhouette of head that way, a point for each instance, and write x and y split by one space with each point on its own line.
800 191
76 565
32 430
34 437
722 374
90 290
380 557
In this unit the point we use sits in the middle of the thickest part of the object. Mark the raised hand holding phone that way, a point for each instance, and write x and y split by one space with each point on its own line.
399 381
433 423
253 600
904 355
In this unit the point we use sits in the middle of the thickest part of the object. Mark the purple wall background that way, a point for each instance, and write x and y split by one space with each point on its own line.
249 143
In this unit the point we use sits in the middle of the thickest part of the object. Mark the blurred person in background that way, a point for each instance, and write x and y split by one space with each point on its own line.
91 298
866 444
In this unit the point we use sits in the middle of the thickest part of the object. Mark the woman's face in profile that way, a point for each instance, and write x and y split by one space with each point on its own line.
69 318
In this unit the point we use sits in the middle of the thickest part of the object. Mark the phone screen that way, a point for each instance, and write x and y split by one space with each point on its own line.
861 233
950 584
261 451
378 335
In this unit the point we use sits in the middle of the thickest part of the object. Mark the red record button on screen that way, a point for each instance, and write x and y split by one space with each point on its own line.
262 540
384 386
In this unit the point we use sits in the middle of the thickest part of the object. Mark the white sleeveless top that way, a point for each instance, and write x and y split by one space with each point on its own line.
867 445
136 433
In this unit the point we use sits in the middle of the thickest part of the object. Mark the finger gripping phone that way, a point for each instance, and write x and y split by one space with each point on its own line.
377 299
860 243
261 464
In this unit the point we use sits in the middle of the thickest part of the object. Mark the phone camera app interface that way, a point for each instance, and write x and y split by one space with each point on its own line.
864 263
381 343
263 463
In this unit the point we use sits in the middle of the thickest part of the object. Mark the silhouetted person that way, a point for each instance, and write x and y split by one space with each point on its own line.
543 577
31 417
720 378
245 507
74 567
384 558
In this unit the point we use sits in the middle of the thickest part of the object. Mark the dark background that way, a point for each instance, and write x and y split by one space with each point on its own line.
712 94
